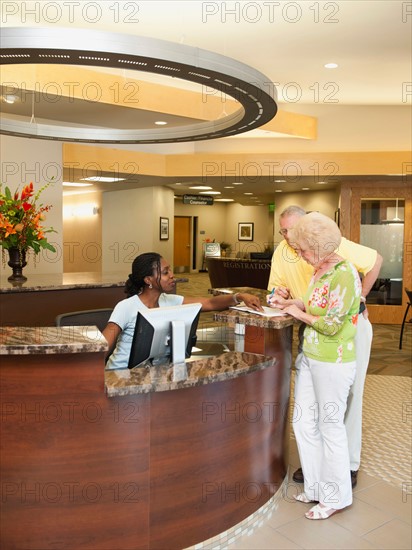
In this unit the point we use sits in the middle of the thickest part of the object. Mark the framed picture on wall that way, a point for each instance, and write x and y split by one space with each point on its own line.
164 229
245 231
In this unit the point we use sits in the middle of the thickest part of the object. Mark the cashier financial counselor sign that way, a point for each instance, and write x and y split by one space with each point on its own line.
198 199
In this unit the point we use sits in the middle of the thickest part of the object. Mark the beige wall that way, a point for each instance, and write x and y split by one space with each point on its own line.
263 227
130 225
33 160
326 202
82 230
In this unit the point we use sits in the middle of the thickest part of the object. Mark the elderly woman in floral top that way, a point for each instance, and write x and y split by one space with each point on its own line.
330 311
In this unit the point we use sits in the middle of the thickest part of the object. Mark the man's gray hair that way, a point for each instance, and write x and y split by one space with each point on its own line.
292 210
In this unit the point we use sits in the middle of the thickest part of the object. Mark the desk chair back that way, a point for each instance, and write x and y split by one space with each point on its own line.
98 317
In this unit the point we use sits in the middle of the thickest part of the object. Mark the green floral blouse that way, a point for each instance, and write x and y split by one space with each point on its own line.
335 298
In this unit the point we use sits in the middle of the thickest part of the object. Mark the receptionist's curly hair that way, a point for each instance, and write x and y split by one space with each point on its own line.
145 265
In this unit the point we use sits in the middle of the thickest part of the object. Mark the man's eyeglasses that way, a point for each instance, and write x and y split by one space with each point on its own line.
283 232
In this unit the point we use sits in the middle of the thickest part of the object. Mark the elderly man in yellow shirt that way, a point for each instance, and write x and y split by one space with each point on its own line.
290 276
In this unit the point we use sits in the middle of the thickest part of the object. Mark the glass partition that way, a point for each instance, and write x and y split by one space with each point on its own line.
382 228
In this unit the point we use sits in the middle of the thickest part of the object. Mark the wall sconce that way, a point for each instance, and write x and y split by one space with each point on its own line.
86 210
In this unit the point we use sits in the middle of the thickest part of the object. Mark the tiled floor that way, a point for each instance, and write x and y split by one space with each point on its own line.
381 514
380 517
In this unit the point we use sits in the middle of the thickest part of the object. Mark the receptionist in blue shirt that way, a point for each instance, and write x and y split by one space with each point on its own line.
150 286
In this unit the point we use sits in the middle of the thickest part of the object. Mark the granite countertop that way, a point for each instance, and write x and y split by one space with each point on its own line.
63 281
234 259
192 373
233 316
39 282
51 340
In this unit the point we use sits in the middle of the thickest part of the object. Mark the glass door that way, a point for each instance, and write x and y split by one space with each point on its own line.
380 216
382 228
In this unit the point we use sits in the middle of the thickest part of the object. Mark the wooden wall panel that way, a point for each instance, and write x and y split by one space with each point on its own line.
40 308
218 453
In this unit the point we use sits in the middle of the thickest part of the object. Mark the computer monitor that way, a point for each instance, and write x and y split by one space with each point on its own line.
164 335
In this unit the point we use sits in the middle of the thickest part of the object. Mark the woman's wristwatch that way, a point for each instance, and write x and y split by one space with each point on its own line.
236 299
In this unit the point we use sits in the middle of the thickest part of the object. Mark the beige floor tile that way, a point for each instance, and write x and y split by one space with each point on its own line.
389 499
395 534
287 511
324 534
265 539
365 481
361 518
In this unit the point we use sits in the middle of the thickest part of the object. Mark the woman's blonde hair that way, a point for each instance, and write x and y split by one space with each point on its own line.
318 232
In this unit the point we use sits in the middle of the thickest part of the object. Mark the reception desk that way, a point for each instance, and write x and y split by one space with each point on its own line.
238 272
159 457
44 296
39 300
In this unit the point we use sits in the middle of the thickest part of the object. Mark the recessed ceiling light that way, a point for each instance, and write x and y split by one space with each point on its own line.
160 123
280 181
237 183
204 187
229 187
73 184
103 179
305 189
224 200
178 183
248 193
278 191
321 182
210 193
330 65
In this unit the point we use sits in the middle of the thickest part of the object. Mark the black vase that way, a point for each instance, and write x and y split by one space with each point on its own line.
17 260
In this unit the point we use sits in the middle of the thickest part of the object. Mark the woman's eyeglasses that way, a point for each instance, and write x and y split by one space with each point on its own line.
283 232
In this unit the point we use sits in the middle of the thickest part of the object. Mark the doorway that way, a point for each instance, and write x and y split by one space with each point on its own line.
181 245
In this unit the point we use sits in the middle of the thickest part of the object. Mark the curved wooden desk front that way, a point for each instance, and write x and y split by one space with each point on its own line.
164 458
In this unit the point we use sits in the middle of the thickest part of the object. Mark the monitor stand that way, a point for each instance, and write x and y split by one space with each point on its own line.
178 342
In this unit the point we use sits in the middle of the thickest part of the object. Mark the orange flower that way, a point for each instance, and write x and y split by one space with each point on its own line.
9 229
27 191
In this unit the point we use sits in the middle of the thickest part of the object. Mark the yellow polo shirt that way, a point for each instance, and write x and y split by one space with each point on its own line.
291 271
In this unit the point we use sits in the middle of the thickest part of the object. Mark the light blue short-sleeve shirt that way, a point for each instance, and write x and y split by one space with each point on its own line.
124 315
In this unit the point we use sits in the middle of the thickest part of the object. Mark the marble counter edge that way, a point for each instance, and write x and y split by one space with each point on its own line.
51 287
163 379
249 319
51 340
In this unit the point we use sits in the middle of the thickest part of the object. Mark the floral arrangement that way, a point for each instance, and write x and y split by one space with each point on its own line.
20 220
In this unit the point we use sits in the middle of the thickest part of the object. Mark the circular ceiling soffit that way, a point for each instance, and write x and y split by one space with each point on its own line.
102 49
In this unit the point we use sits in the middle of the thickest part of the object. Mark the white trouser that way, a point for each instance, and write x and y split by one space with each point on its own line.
353 417
321 393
